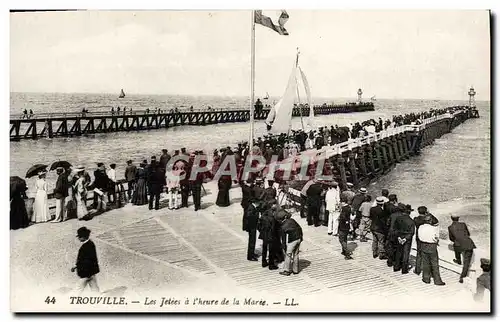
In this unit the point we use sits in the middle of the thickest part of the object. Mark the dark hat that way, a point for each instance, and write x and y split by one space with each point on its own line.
164 150
112 165
427 219
183 149
129 161
83 232
153 157
485 261
408 208
100 164
176 151
392 197
422 210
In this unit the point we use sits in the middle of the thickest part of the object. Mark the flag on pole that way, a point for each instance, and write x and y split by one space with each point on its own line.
268 22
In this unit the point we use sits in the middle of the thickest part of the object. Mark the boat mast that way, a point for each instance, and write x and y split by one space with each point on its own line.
252 82
298 94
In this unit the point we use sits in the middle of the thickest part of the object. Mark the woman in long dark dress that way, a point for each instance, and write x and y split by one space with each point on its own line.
18 214
224 184
140 194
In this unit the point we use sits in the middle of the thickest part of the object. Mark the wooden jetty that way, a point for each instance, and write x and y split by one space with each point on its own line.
52 125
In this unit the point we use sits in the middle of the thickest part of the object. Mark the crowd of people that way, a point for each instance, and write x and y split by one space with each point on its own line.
348 214
352 215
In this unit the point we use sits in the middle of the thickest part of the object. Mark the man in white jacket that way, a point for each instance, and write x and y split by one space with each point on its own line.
332 199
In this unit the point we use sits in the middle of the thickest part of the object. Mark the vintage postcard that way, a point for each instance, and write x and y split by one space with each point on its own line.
250 161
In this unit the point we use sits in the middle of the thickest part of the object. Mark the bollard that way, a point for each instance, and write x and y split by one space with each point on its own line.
341 167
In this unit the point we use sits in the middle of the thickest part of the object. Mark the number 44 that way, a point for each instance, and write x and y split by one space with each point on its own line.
50 300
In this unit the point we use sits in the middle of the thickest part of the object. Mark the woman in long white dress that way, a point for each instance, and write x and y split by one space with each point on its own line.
41 205
80 194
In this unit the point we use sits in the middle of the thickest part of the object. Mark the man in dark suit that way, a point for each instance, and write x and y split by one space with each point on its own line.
270 192
378 228
344 225
87 265
292 236
60 193
267 224
483 282
155 180
250 223
419 220
196 182
101 182
259 191
164 158
403 231
391 242
247 196
314 194
462 243
130 173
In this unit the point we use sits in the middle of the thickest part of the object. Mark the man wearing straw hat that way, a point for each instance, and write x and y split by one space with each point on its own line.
378 228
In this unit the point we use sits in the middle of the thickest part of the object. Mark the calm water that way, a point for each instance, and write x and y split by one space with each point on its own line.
451 176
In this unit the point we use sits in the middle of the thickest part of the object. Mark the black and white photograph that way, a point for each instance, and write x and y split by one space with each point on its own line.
250 160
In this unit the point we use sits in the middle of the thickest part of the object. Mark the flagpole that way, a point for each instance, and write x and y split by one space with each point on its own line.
252 82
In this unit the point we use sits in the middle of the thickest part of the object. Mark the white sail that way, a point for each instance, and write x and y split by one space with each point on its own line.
310 119
272 113
282 117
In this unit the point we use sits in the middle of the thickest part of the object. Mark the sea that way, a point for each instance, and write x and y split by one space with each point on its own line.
451 176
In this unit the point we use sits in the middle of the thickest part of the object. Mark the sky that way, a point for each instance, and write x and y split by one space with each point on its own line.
390 54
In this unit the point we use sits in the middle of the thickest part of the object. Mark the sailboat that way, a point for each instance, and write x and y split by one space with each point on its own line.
267 96
279 119
373 99
122 94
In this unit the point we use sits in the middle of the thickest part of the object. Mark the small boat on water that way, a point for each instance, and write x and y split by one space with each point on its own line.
122 94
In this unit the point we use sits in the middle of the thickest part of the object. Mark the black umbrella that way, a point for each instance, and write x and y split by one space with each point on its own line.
17 184
34 170
62 164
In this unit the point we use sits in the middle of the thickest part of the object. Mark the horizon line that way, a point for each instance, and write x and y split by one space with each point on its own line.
239 96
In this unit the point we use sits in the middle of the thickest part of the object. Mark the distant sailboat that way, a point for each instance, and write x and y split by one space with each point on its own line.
373 99
267 96
122 94
279 119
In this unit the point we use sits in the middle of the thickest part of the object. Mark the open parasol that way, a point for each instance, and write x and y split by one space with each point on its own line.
62 164
34 170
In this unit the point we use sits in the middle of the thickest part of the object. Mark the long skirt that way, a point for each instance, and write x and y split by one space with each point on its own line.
18 214
81 208
41 207
223 195
140 193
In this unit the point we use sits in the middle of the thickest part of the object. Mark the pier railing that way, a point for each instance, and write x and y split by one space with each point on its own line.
340 148
59 115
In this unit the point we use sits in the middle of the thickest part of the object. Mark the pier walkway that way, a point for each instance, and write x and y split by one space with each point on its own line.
51 125
172 253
